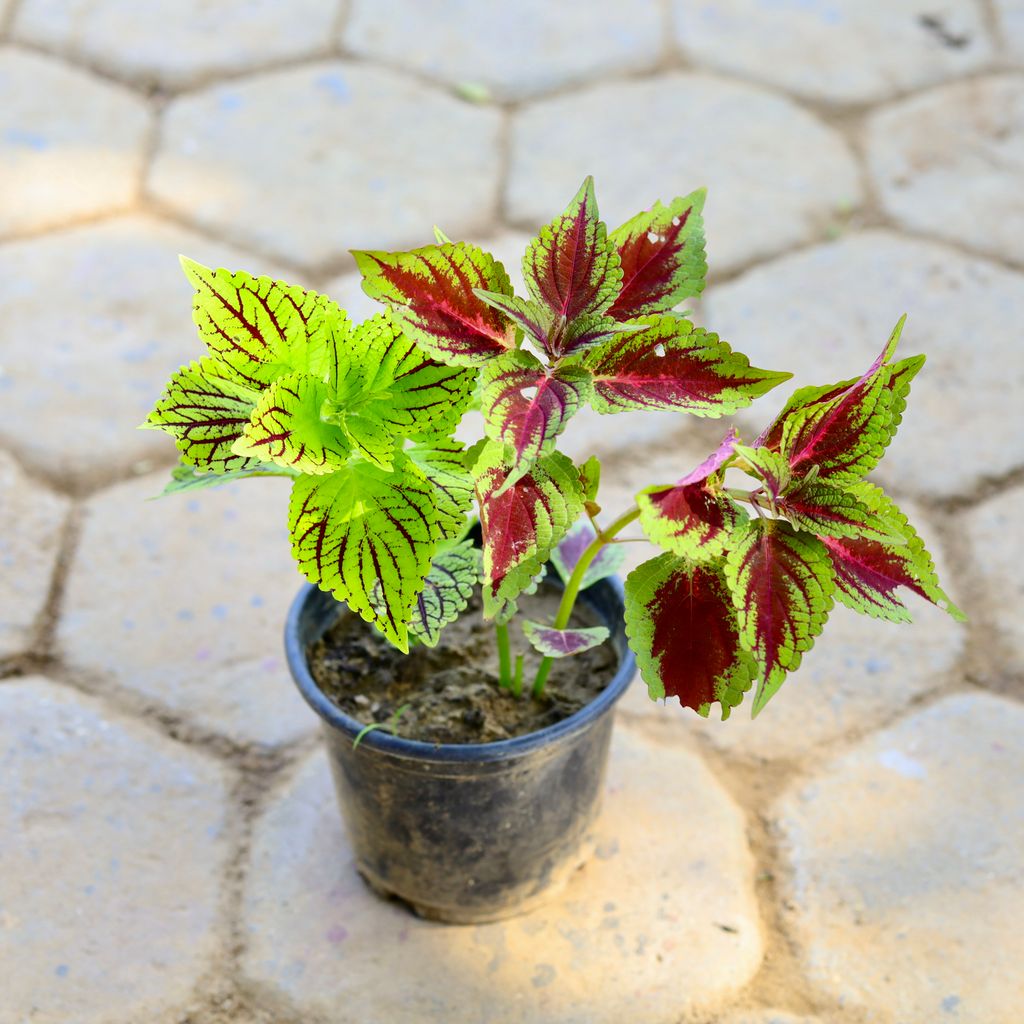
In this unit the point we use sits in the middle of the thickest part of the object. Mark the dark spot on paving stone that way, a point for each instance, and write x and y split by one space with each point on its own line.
950 1004
543 976
934 24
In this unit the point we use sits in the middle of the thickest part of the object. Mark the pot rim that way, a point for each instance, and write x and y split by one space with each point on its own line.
499 750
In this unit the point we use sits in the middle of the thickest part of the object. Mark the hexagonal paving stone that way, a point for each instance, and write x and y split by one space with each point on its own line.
996 535
177 42
310 162
860 671
95 321
510 50
1010 19
776 175
951 163
183 601
826 313
844 51
71 145
907 886
111 846
31 518
662 919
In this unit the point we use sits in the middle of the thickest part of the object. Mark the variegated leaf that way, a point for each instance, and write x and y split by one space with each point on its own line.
454 573
433 293
824 508
769 466
781 583
527 406
662 257
441 463
682 627
562 643
567 552
671 364
185 477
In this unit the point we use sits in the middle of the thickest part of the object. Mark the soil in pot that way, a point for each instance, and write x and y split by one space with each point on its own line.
450 693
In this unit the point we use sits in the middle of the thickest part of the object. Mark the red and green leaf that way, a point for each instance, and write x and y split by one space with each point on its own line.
821 507
682 626
522 520
571 267
433 292
562 643
454 573
527 405
206 408
567 552
670 364
769 466
662 256
781 583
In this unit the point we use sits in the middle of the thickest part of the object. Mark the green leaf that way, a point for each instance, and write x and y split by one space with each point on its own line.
561 643
770 466
503 610
206 409
590 478
441 463
286 428
362 526
186 478
454 572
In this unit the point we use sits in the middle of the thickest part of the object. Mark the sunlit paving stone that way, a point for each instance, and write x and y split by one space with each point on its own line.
1010 19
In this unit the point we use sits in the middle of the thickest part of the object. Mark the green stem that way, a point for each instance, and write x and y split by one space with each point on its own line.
572 588
504 656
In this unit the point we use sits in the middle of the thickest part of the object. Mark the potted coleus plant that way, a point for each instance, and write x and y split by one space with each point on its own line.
469 757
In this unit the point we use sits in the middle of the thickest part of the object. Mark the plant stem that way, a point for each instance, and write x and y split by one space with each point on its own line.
572 588
504 656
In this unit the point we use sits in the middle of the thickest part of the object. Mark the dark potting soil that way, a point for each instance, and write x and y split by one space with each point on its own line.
450 693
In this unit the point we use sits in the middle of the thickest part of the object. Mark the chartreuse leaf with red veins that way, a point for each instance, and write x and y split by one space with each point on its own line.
868 573
527 405
781 582
187 478
662 255
363 526
263 328
440 462
522 516
692 518
682 626
432 292
454 572
571 267
670 364
561 643
567 552
206 409
286 428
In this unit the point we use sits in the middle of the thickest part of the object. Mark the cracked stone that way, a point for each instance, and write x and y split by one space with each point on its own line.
662 920
112 844
32 517
356 148
110 308
951 163
176 43
849 51
182 601
1010 18
71 145
905 885
511 51
777 176
825 313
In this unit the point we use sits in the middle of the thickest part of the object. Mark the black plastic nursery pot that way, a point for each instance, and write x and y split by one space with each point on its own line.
466 833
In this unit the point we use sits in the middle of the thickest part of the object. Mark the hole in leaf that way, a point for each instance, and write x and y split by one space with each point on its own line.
652 237
659 349
676 222
529 393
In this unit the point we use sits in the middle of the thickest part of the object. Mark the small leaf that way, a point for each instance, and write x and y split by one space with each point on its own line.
781 583
567 552
770 466
682 626
532 318
571 266
502 611
527 406
440 237
823 508
187 478
662 257
589 331
590 477
561 643
454 573
433 293
670 364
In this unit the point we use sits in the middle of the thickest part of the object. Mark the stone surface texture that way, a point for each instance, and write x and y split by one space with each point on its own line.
827 312
898 879
223 151
841 51
776 175
950 162
98 815
182 601
177 44
33 517
71 146
663 914
511 51
170 848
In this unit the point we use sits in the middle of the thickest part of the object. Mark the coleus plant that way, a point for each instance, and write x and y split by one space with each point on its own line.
363 416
